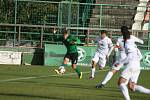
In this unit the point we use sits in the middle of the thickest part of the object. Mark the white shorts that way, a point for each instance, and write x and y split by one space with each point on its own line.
100 59
130 73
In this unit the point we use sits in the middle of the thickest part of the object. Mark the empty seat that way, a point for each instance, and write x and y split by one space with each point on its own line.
136 26
141 1
139 17
141 7
145 26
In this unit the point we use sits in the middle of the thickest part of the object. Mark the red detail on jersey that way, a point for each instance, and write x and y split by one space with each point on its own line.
117 46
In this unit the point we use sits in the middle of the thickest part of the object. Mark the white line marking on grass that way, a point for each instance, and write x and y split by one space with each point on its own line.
26 78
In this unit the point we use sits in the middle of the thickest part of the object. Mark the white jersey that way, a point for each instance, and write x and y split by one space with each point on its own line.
104 45
121 49
120 44
132 69
132 52
130 44
120 53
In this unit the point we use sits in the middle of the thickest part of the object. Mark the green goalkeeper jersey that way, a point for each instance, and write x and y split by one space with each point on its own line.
71 48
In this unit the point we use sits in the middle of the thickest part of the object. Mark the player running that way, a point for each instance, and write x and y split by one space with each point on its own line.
70 43
122 55
132 69
121 51
102 52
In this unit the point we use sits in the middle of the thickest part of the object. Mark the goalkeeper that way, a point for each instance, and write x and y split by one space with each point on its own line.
70 43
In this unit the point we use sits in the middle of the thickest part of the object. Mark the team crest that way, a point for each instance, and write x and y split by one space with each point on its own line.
146 59
81 54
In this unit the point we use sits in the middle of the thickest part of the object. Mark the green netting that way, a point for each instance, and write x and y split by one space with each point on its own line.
85 17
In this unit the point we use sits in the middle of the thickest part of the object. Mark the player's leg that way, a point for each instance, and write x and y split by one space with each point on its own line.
77 70
64 64
141 89
94 63
123 81
102 62
106 79
66 60
111 73
123 87
74 60
135 87
95 59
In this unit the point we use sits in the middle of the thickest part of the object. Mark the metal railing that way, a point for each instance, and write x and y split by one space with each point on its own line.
29 22
38 35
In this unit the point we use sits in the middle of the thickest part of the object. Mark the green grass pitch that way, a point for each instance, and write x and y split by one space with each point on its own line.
41 83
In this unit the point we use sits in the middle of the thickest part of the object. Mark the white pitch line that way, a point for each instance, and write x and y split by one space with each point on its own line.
26 78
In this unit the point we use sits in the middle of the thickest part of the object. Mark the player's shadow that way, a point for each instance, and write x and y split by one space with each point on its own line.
38 57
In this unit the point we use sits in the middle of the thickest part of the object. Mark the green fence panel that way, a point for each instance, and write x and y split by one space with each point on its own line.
145 62
54 55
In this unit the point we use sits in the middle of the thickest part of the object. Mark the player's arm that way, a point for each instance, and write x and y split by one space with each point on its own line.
56 37
123 61
138 40
111 47
74 40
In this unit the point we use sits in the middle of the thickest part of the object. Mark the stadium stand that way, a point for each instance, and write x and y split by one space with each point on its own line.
142 7
143 1
136 26
141 19
110 16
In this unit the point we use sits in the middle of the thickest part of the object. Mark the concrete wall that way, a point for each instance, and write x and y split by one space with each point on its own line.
33 56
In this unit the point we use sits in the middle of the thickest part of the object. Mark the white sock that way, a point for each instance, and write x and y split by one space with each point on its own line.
93 72
125 91
108 77
141 89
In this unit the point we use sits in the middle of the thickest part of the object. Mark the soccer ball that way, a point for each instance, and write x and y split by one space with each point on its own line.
62 70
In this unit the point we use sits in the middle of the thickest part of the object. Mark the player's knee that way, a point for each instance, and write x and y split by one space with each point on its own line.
114 71
93 64
66 60
121 80
131 86
73 66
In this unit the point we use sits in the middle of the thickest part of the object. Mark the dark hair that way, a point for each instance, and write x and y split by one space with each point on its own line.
64 31
125 33
124 28
103 31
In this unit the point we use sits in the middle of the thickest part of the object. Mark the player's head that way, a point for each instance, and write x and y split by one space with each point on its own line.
124 29
65 33
103 34
125 32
